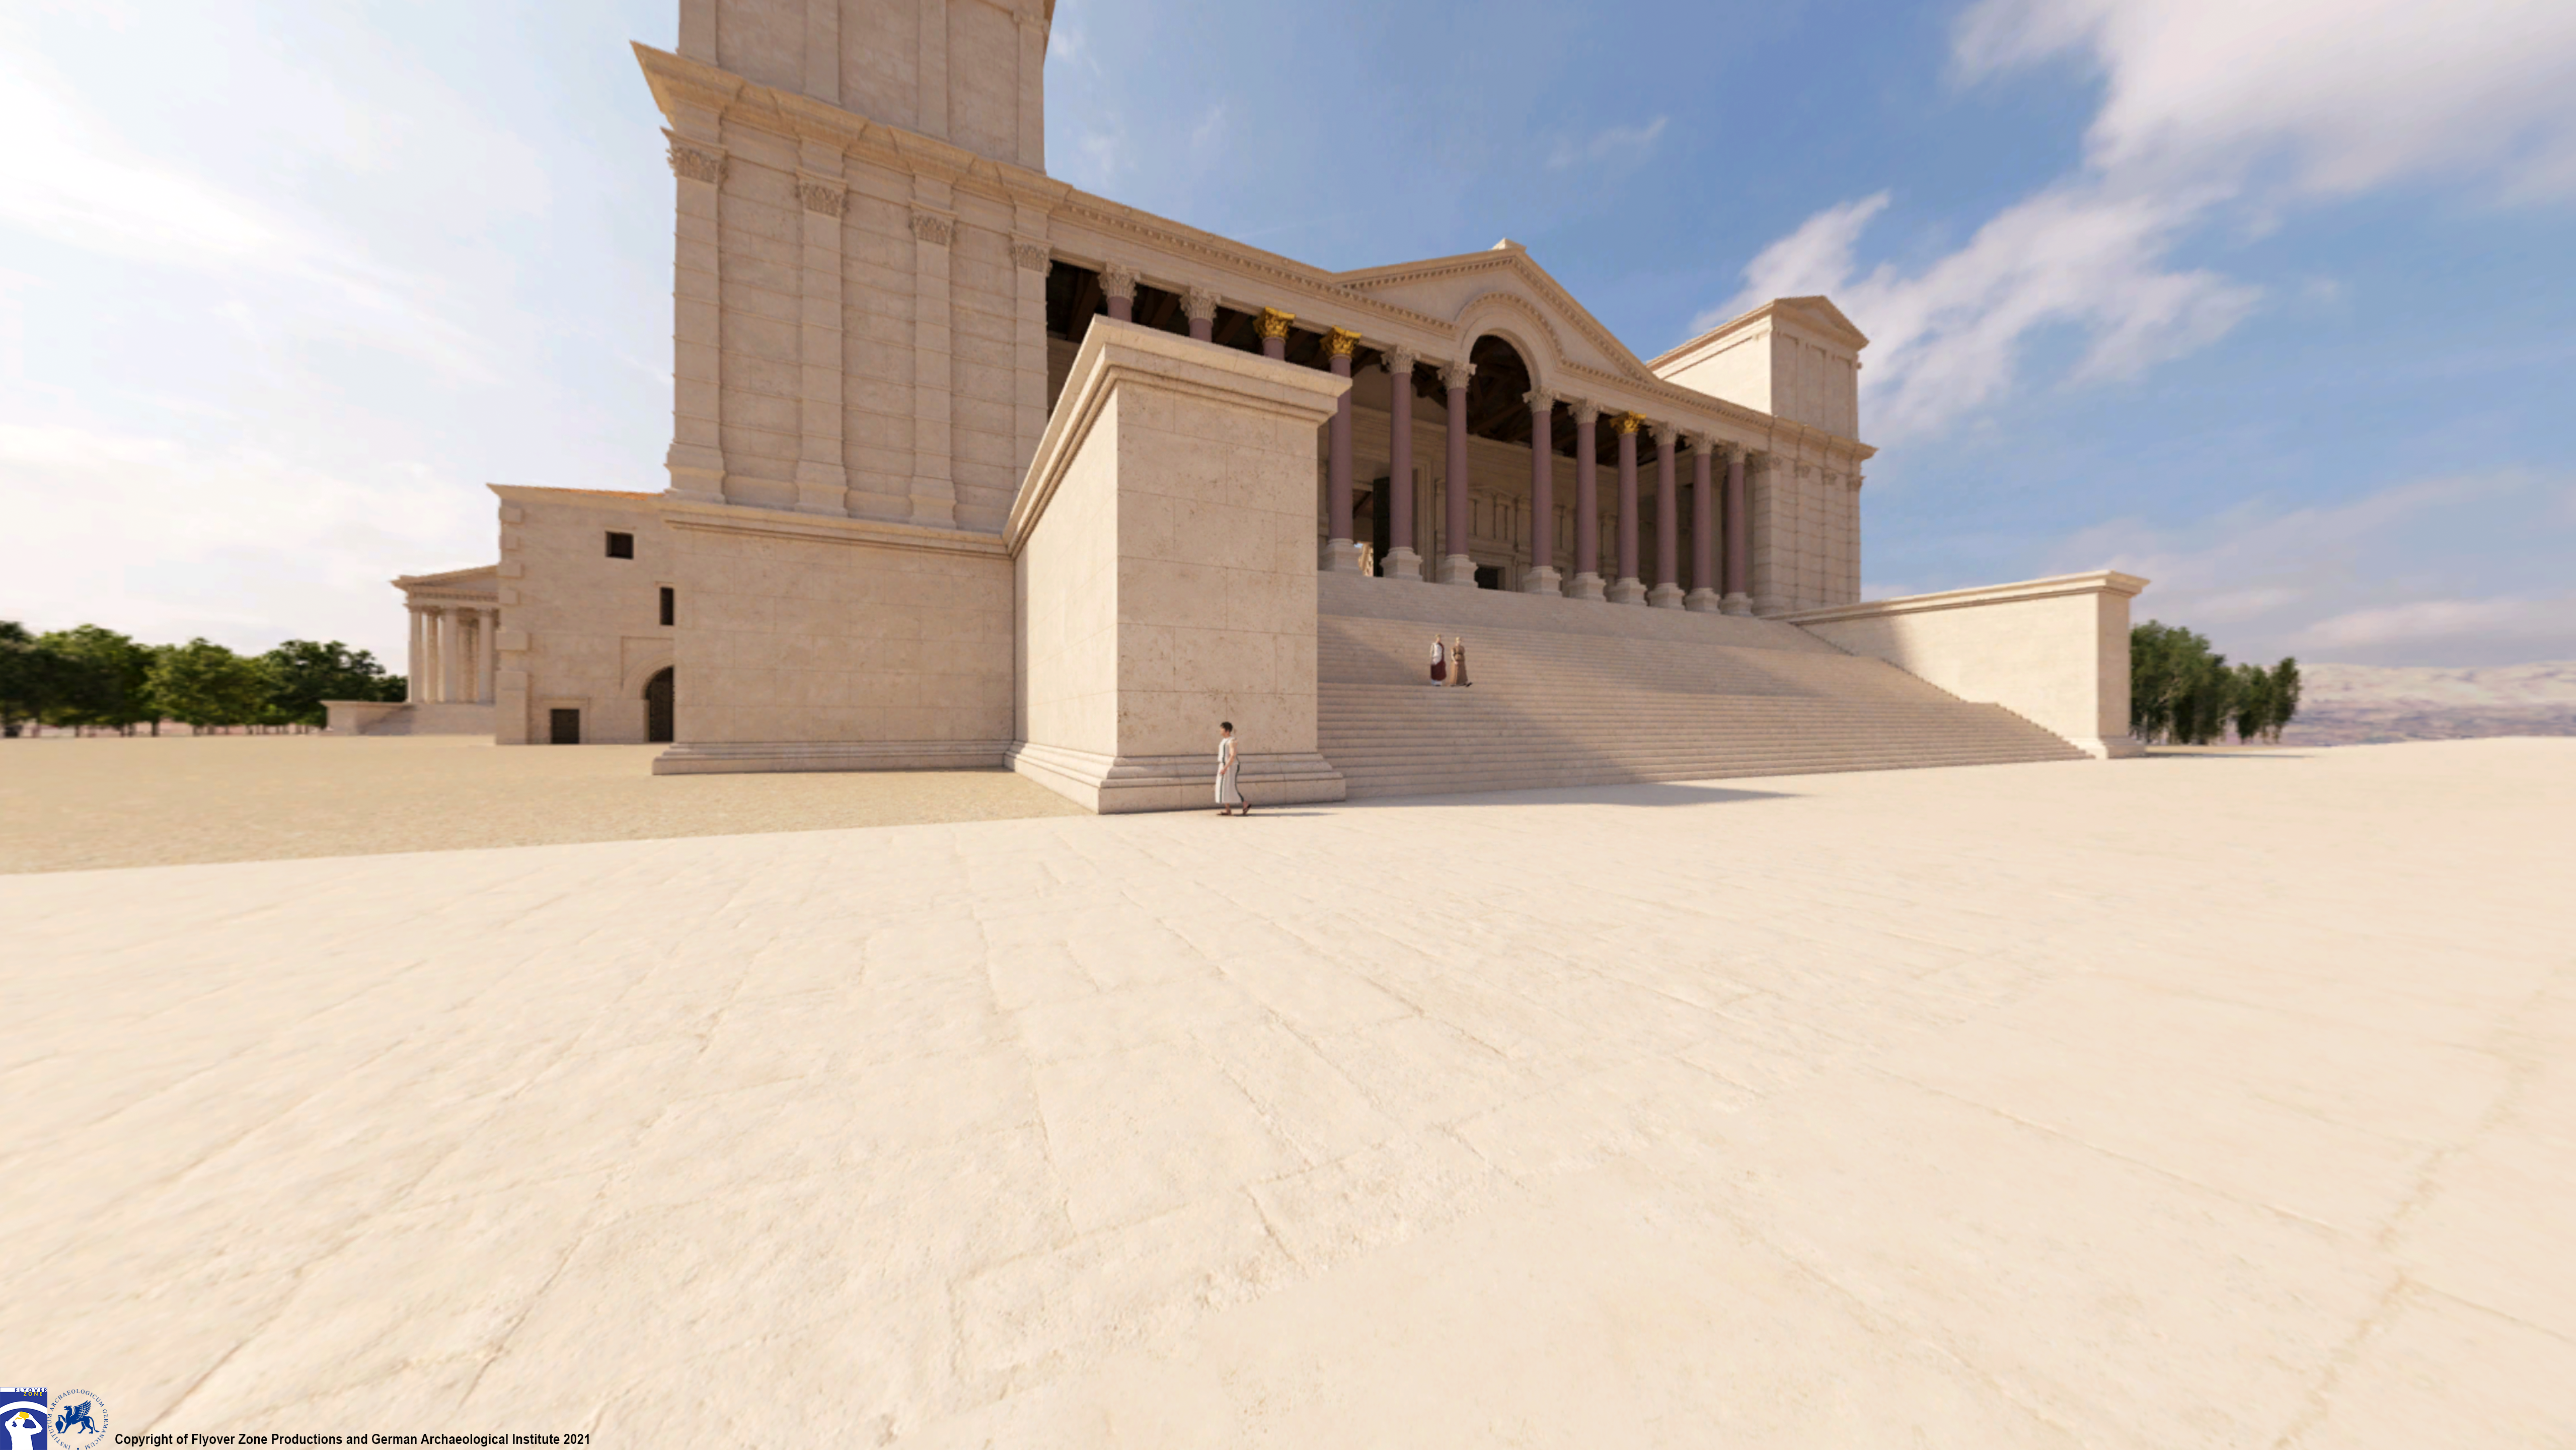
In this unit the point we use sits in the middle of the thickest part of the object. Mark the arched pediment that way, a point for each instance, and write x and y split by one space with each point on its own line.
1502 291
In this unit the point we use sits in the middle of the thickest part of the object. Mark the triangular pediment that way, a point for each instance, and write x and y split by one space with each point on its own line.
1503 290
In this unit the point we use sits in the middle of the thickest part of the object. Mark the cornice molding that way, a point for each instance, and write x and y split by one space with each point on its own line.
1330 298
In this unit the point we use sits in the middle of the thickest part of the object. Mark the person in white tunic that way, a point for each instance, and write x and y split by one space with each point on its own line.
1439 660
1229 798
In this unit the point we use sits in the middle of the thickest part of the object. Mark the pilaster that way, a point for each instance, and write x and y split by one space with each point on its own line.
934 486
822 484
1030 261
696 460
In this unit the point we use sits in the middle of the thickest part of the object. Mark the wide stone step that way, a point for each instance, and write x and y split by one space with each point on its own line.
1602 708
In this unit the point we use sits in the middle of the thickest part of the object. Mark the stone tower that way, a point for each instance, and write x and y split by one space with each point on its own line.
859 289
968 72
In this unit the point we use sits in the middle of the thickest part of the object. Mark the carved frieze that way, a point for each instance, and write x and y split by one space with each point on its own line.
1035 256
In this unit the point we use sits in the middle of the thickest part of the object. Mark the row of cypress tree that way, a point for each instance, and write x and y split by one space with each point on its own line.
2181 692
93 678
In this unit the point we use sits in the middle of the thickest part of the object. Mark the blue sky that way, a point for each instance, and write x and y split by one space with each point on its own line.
2266 302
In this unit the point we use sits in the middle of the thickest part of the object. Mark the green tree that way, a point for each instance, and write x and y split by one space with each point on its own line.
29 673
2285 696
207 685
100 679
302 674
2250 701
2178 688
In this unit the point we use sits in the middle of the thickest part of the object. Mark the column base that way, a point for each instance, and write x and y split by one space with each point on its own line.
1701 601
1341 556
1587 585
1770 604
822 488
1664 596
1736 603
1628 591
697 473
1542 580
1458 569
1403 564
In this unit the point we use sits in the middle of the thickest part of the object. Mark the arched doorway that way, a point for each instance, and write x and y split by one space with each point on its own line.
657 707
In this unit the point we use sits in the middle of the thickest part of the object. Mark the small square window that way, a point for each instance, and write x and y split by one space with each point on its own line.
621 546
670 606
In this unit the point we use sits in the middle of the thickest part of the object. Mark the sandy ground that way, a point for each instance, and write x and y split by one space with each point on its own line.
2222 1099
76 805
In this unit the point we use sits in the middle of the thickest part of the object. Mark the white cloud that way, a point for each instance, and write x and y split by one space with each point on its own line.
2210 107
1620 142
2351 94
2431 571
64 178
232 537
2446 619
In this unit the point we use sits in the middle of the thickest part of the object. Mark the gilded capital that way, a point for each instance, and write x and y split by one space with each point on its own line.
1273 323
1340 340
1629 422
1118 281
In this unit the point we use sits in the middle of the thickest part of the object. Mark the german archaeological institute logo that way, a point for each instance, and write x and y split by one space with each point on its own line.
52 1420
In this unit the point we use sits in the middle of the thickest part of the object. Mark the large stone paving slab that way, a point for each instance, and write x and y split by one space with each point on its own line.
2220 1100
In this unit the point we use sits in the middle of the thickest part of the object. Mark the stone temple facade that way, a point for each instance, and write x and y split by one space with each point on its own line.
969 467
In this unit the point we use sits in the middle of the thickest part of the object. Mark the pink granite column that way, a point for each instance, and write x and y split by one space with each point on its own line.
1630 589
1200 306
1587 503
1273 327
1456 567
1118 284
1341 552
1739 536
1667 593
1401 561
1704 594
1543 578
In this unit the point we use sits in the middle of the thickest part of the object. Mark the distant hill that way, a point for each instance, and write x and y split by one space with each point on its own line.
2369 704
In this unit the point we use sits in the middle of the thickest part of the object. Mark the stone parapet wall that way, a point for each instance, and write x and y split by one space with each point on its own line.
807 640
2054 651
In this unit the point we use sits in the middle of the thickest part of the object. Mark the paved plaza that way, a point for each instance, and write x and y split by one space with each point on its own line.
2197 1100
79 805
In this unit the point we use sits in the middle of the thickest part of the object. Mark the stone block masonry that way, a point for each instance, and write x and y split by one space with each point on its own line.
1163 547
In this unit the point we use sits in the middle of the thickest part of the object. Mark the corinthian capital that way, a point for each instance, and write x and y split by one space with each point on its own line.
827 197
1273 323
1199 305
931 227
1540 400
1454 375
1118 281
695 161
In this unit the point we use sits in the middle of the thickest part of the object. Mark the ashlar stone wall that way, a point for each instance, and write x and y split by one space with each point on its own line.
1163 542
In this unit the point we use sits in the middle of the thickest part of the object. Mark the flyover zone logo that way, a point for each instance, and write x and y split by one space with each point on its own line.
40 1420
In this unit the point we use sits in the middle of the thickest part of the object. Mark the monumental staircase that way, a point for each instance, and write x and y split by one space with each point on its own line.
1572 693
